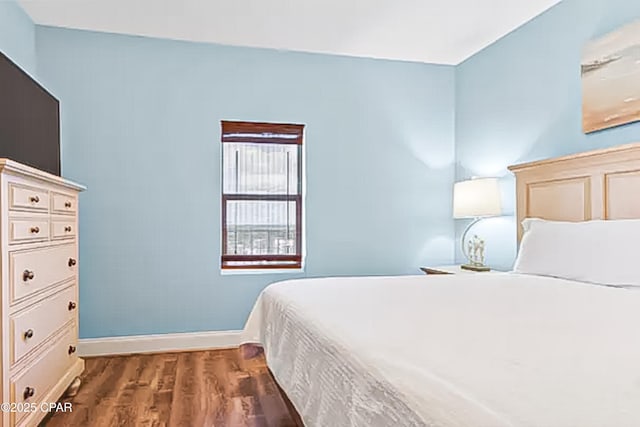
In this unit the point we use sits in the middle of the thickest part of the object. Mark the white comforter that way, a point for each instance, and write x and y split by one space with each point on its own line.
455 350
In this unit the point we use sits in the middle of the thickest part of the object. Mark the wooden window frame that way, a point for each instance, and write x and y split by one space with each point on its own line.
267 133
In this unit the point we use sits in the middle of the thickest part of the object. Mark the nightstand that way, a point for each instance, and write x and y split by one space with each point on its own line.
451 269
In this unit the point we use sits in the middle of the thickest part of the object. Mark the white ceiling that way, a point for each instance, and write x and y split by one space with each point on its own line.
433 31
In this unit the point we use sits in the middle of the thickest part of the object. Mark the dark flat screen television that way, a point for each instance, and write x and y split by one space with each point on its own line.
29 120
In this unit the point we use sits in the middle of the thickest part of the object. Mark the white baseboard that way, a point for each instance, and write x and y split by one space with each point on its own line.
158 343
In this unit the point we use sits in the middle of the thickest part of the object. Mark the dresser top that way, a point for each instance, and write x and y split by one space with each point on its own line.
8 165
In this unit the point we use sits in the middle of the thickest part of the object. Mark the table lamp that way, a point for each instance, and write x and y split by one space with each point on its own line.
476 198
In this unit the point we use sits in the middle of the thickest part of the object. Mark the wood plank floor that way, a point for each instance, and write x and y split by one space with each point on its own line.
191 389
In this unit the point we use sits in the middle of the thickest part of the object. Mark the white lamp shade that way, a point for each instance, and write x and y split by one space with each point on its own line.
478 197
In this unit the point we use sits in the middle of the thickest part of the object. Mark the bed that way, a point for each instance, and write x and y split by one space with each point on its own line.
482 350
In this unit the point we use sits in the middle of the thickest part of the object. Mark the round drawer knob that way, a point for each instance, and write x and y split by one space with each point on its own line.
35 230
28 275
72 262
28 392
35 199
72 305
28 334
67 228
67 204
72 349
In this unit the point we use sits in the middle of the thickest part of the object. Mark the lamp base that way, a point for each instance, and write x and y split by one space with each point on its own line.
479 268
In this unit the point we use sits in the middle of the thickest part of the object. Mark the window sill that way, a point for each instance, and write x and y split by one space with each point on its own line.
261 271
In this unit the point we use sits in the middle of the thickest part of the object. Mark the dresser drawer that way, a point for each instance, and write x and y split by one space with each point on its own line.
23 230
22 197
33 383
33 326
34 270
63 229
63 203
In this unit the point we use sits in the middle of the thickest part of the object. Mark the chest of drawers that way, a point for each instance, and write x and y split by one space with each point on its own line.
39 291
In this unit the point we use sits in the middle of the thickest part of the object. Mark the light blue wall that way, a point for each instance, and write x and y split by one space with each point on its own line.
17 36
141 130
520 100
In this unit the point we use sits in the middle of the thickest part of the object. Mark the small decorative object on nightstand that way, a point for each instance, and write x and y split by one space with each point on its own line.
476 198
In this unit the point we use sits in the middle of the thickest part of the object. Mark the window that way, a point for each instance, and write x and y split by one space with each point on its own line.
261 195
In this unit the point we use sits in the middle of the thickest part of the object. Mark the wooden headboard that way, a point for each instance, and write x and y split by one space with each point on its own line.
601 184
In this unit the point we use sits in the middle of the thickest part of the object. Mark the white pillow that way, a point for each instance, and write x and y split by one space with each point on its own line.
602 252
